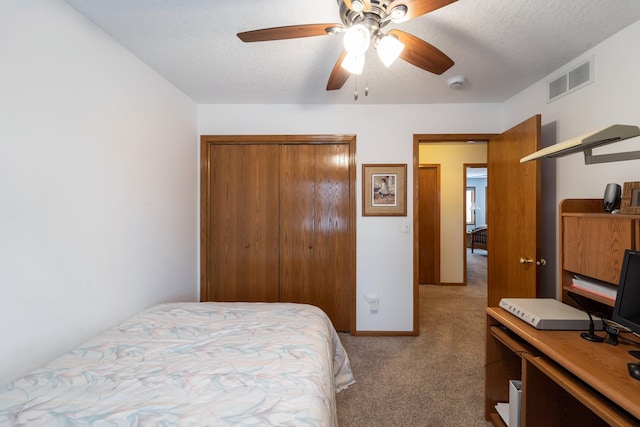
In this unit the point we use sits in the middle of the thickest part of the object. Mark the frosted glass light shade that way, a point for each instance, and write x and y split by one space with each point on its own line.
389 48
357 39
353 63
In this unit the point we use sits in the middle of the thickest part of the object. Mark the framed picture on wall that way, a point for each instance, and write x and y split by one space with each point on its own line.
630 200
384 190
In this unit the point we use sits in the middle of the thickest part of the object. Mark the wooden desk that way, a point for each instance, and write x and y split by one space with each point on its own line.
566 380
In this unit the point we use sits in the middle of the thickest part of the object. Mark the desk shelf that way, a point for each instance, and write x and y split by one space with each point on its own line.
565 379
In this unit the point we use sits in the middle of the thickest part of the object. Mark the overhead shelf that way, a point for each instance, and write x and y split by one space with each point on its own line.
587 142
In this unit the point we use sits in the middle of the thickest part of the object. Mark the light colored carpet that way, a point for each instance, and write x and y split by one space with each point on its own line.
435 379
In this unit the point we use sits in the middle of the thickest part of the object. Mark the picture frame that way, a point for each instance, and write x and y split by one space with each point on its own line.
384 189
630 200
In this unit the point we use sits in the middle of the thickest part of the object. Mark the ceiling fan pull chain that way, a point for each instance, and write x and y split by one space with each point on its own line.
366 79
355 92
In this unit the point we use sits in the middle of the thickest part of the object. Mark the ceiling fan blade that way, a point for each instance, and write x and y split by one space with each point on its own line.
422 54
339 75
366 3
288 32
419 7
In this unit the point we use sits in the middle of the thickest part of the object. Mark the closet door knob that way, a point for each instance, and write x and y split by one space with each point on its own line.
247 245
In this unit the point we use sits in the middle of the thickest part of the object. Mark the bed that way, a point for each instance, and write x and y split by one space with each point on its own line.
191 364
479 238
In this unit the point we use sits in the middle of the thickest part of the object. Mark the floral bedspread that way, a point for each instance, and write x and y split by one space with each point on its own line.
192 364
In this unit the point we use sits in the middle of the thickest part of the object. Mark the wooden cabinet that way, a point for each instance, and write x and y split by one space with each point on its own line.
278 222
566 381
593 244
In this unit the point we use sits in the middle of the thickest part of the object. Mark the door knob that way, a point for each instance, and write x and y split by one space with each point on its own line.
529 261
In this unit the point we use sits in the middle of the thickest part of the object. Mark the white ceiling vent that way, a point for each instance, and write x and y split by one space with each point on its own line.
570 81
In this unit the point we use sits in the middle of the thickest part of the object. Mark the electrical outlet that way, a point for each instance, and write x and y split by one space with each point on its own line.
373 303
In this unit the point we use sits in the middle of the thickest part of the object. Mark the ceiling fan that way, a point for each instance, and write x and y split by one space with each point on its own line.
362 24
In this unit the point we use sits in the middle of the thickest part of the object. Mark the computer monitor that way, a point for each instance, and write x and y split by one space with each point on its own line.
627 308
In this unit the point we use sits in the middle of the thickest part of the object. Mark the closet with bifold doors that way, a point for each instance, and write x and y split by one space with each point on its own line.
278 221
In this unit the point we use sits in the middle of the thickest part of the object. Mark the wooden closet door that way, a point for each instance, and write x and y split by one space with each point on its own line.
244 235
314 229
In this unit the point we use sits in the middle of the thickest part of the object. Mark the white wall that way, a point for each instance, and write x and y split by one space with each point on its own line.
613 98
384 135
98 184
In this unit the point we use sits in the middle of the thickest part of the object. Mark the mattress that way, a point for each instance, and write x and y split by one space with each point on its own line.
191 364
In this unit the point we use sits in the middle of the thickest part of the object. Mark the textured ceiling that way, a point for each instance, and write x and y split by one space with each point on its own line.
500 46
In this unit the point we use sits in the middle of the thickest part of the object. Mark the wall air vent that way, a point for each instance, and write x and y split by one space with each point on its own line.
570 80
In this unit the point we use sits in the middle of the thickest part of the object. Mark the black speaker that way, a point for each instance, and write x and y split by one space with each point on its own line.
611 197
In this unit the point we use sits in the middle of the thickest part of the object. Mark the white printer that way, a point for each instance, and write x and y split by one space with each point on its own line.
548 313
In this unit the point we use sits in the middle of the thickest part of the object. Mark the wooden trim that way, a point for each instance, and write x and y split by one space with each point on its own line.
208 140
452 137
204 213
384 334
278 139
416 240
582 206
351 140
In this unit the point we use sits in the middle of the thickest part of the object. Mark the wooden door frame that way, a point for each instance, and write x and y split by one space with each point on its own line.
417 140
208 140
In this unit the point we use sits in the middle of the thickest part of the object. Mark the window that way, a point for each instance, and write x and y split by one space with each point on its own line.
470 205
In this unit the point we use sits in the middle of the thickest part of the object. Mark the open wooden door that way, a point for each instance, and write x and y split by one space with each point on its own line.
513 213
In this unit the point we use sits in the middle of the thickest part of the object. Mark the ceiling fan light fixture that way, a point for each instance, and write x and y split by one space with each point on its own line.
389 48
353 63
357 39
398 12
357 6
